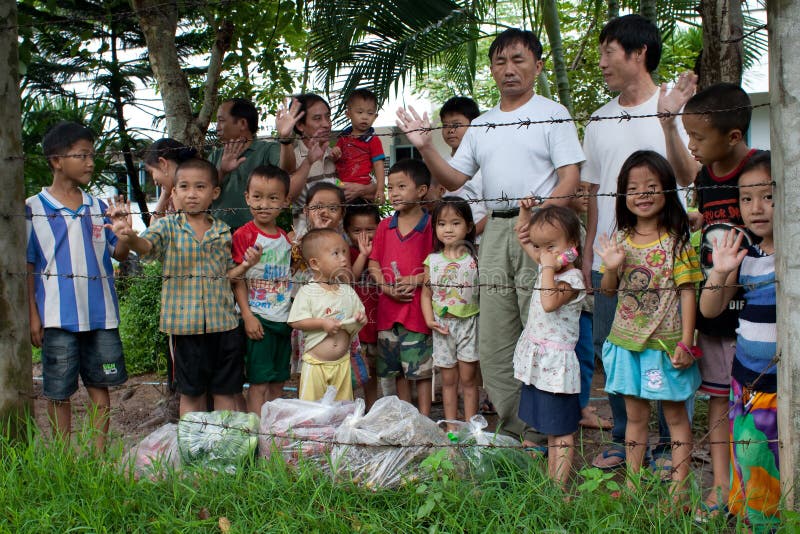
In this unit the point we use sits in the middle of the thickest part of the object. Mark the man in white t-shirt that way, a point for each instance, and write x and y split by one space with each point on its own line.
537 160
630 50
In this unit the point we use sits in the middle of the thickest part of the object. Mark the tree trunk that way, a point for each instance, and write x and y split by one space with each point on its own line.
159 22
783 17
613 9
553 29
723 45
16 386
647 9
115 90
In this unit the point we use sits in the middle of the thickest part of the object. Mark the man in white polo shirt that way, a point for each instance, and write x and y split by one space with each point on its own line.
537 160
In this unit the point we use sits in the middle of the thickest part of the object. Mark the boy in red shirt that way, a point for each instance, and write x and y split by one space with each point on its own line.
359 152
401 244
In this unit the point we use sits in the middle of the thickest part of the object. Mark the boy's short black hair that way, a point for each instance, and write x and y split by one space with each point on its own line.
460 104
415 169
723 96
309 244
358 207
60 138
202 165
363 94
515 35
241 108
270 172
633 32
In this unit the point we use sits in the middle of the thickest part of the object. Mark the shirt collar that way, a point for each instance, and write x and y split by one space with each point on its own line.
366 137
217 226
420 225
54 203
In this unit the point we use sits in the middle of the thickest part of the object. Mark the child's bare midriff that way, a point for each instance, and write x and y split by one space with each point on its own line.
333 347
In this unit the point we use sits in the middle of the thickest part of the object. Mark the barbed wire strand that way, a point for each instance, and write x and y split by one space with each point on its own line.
519 124
470 200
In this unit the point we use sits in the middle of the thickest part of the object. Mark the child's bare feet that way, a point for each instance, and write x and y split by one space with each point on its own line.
590 419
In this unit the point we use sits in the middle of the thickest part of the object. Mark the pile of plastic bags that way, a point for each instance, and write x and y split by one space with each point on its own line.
381 448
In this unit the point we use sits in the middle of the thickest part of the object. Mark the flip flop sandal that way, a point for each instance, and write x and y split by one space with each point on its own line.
611 452
705 513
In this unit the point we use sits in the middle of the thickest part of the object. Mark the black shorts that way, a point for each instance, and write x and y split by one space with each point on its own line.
209 363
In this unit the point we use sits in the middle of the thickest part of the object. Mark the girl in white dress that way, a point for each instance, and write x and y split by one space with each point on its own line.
545 359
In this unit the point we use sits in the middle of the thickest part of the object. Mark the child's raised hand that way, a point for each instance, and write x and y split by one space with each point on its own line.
550 259
364 244
726 253
610 251
252 327
670 102
119 213
336 153
232 151
251 256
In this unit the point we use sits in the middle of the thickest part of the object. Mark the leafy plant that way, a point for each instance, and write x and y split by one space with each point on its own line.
139 307
597 479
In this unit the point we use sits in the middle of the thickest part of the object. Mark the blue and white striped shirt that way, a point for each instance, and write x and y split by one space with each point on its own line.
757 334
62 242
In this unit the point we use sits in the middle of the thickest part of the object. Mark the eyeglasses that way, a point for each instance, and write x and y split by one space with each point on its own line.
82 157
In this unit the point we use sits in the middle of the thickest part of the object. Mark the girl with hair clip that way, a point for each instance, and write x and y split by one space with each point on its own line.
161 160
544 359
649 354
450 304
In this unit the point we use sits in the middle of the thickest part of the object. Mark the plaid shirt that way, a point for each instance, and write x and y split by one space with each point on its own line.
196 297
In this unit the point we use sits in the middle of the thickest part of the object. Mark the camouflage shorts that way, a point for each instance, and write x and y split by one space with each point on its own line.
404 353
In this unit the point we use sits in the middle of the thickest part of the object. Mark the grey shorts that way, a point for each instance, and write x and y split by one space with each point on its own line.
461 344
95 355
716 363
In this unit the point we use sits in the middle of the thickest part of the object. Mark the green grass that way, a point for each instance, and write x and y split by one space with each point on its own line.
46 490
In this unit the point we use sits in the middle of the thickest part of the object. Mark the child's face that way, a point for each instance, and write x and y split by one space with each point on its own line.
266 198
548 238
755 202
76 164
194 191
332 259
645 197
324 210
361 225
434 195
454 126
451 228
404 194
580 203
362 113
706 143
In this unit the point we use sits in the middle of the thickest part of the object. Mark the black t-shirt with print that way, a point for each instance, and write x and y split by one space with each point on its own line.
720 209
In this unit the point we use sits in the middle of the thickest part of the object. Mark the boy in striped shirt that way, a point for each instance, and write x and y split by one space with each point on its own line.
74 314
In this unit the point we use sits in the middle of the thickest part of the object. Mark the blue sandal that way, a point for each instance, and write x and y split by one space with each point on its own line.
611 452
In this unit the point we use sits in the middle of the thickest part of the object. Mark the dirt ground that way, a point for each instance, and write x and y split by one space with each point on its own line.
141 405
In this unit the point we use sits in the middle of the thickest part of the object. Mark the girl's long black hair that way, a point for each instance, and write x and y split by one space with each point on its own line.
672 218
169 149
461 207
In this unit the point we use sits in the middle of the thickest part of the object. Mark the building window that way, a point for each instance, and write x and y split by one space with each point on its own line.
405 152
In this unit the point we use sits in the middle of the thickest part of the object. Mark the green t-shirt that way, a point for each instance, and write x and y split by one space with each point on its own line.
234 184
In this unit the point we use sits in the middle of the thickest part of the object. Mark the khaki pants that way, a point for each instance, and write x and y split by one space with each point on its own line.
504 310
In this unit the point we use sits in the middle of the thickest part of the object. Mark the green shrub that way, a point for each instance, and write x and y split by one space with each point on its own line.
139 307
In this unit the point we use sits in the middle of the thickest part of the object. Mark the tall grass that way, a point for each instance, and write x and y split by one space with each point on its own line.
44 488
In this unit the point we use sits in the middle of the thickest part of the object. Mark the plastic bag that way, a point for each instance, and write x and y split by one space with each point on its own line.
388 443
297 428
492 455
219 440
155 455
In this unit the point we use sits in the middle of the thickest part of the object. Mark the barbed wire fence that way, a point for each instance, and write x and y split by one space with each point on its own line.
519 124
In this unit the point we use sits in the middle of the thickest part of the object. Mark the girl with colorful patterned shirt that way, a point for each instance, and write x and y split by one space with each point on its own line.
450 304
652 266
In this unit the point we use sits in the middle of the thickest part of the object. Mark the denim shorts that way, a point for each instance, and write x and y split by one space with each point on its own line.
95 354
